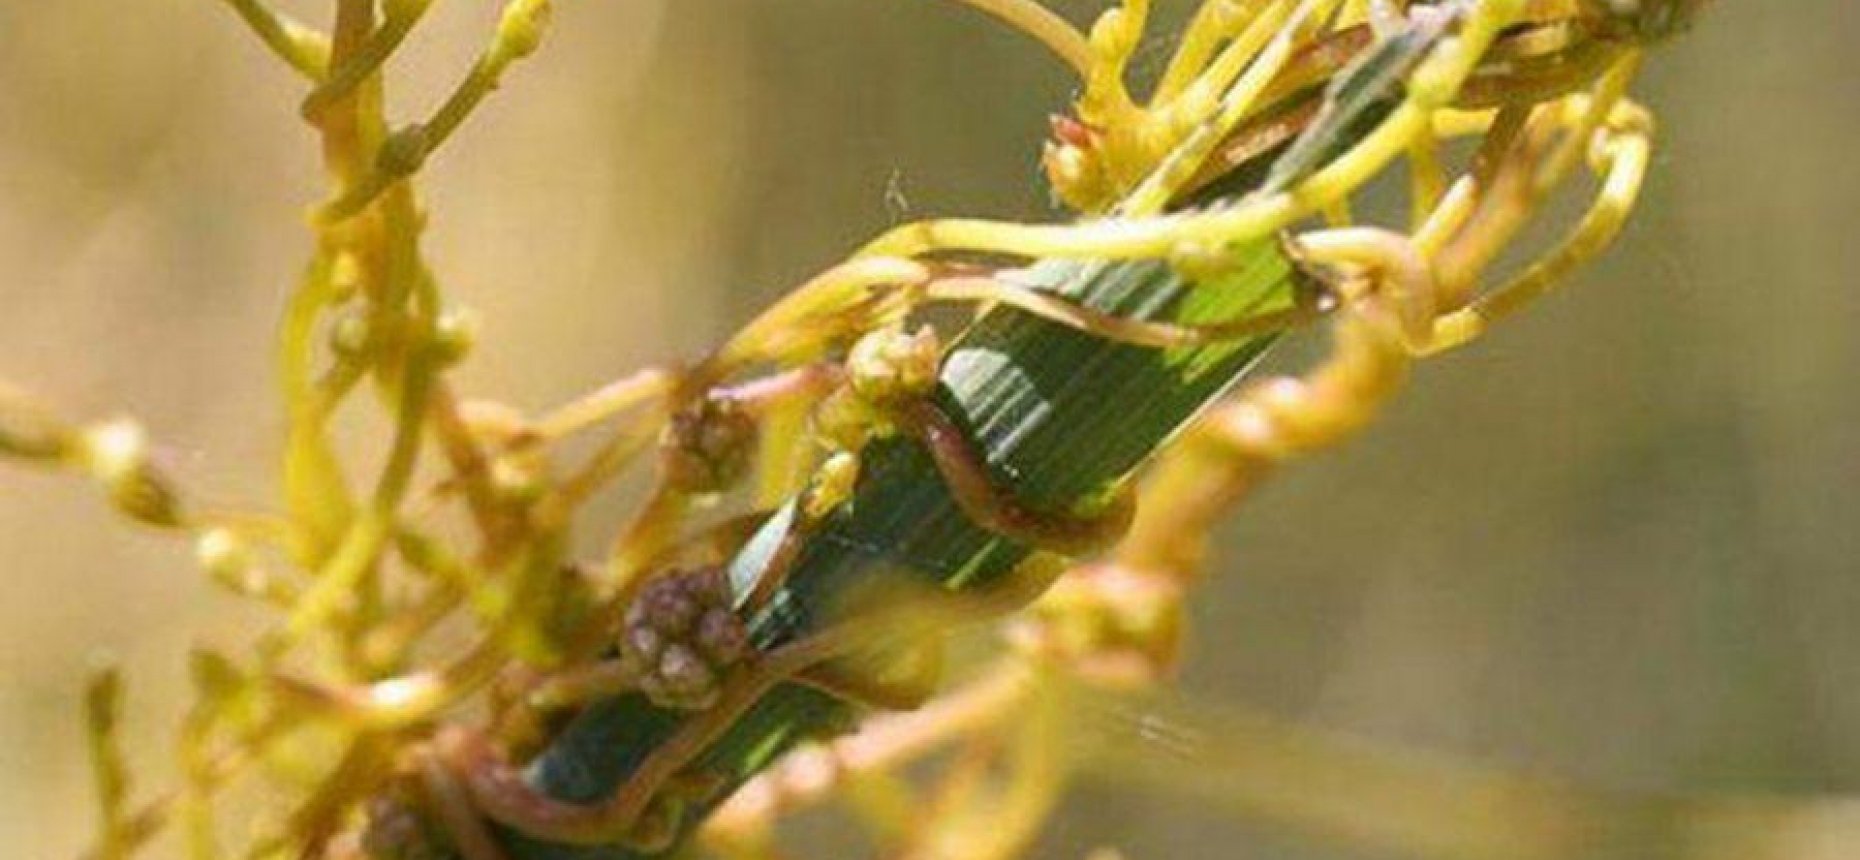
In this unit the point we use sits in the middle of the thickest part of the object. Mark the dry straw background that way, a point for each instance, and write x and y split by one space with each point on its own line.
1617 541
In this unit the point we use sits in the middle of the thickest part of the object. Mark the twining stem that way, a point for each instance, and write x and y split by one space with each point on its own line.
1037 397
1064 385
519 31
1431 86
367 60
354 557
1038 22
880 743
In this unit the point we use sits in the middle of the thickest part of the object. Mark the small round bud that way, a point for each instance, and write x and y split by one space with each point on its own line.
117 453
706 448
520 30
345 275
455 333
350 335
833 484
222 554
116 449
520 476
1076 175
889 364
680 636
846 421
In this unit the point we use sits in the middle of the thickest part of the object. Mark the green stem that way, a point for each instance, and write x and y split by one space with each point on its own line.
1062 416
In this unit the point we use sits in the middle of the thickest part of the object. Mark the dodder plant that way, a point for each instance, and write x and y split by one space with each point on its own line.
839 483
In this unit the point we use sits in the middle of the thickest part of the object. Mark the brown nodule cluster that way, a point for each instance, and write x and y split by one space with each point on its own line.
706 447
680 637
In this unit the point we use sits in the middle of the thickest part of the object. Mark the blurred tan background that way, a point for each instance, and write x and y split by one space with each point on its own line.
1619 541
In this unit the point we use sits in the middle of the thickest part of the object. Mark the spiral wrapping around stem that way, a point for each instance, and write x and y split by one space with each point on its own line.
1078 372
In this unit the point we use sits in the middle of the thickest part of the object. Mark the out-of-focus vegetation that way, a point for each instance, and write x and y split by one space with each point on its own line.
1610 542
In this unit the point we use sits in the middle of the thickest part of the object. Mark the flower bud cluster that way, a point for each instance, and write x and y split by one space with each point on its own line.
681 636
